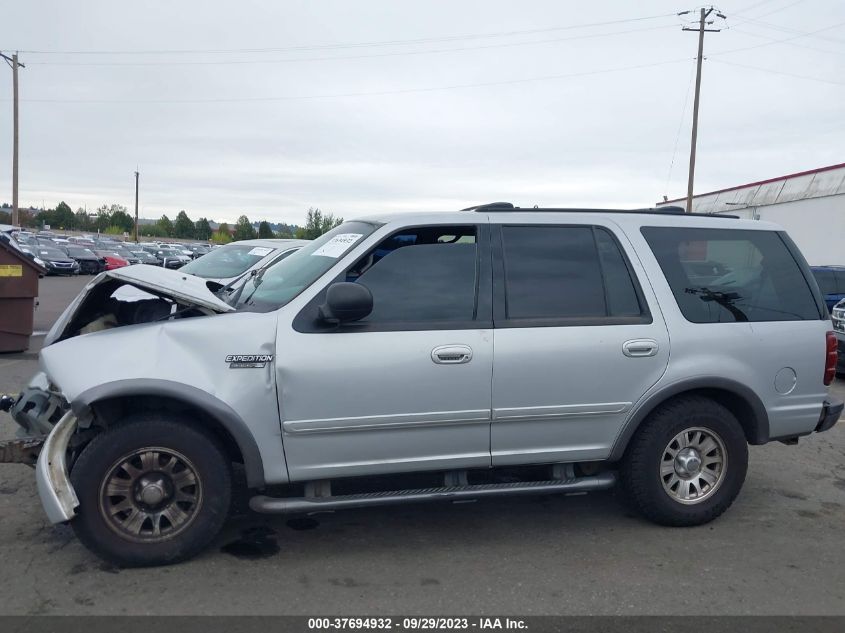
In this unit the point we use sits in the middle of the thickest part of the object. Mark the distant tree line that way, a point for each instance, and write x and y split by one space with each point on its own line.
115 219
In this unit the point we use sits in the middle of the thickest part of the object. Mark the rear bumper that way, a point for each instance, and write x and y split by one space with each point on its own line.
831 410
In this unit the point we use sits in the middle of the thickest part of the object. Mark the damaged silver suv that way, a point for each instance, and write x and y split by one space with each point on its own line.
491 352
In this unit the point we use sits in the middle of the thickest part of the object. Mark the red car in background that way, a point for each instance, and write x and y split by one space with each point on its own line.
113 260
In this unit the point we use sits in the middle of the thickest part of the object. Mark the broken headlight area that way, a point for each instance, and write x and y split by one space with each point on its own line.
36 411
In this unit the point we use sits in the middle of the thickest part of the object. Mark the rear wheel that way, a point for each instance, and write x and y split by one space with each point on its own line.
687 463
153 490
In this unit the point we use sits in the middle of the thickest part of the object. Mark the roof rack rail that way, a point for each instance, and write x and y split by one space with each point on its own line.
492 206
667 210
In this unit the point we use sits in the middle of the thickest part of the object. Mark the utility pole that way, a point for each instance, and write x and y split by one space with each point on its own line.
14 63
701 28
136 205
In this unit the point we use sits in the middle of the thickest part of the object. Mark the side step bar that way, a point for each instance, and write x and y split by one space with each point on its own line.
283 505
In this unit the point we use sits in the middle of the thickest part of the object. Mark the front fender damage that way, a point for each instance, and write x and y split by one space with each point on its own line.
54 487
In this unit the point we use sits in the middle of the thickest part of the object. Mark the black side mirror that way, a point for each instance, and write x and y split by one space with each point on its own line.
346 302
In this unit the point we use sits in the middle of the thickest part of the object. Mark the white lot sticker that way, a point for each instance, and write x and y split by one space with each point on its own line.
260 251
337 246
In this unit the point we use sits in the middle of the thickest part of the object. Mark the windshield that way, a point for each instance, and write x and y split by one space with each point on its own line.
50 253
284 281
229 261
75 251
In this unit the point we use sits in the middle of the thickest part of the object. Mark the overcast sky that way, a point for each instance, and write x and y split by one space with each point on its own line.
376 105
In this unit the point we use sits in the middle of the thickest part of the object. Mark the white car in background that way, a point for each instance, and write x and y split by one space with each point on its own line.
231 262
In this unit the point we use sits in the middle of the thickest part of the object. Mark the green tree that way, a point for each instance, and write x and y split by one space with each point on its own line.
183 227
165 226
286 231
81 222
202 229
243 229
122 219
63 216
264 230
222 236
317 223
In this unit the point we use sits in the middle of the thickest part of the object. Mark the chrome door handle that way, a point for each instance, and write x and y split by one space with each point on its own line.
451 354
640 347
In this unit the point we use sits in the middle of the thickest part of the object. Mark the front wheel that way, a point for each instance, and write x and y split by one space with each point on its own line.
687 463
153 490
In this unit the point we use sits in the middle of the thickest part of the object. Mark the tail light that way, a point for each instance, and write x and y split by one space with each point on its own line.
830 359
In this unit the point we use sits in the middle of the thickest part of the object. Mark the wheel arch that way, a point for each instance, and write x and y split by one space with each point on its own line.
734 396
108 400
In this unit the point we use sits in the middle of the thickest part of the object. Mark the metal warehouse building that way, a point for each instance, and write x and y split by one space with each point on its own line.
810 205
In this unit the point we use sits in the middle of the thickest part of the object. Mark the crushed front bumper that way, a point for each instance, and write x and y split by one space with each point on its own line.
51 475
47 427
831 410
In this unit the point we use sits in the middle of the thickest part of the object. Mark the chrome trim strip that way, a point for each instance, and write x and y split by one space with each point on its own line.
399 420
559 411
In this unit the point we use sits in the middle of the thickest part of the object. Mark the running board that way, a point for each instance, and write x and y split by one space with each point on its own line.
283 505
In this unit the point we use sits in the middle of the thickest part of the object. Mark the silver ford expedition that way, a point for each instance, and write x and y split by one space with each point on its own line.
491 352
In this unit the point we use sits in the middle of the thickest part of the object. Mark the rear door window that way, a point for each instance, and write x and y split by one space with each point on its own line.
727 275
566 275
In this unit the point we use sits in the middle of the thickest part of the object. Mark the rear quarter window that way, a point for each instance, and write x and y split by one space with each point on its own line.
727 275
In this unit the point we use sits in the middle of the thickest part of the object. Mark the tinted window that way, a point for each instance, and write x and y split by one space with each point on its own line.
622 297
565 272
423 282
725 275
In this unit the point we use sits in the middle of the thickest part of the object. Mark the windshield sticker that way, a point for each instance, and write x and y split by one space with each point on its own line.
338 245
260 251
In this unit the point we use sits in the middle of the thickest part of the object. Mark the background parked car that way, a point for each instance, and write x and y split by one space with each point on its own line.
57 262
170 258
112 259
145 257
831 280
198 250
225 264
89 262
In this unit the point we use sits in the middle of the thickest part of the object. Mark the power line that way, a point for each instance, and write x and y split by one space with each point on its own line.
779 72
786 29
788 43
781 41
367 94
406 42
351 57
772 12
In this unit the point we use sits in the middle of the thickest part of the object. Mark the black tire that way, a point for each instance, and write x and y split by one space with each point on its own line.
97 465
640 468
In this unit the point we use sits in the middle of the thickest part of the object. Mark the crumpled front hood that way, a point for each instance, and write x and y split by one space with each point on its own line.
162 282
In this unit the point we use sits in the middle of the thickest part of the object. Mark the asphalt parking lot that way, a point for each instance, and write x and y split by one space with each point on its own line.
779 550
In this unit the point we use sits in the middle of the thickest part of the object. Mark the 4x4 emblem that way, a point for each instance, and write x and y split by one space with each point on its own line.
248 361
